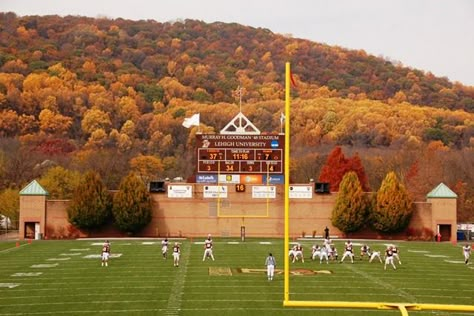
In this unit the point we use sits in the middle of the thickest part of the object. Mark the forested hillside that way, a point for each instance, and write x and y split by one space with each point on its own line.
111 95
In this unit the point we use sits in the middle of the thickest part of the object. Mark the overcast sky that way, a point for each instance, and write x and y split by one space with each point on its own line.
431 35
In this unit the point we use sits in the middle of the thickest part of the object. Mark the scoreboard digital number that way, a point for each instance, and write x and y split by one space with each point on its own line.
240 153
240 187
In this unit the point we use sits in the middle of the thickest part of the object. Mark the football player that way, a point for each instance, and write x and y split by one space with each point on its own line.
389 258
315 252
292 252
375 254
348 252
164 248
105 253
298 253
208 249
467 253
396 253
176 254
364 251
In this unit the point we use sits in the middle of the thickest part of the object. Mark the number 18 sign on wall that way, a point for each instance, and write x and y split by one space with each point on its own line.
224 153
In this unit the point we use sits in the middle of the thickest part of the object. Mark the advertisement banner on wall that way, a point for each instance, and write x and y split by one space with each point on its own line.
206 178
215 191
229 178
301 192
273 179
251 179
263 192
180 191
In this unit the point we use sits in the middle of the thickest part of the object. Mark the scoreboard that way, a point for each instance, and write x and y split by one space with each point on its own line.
230 153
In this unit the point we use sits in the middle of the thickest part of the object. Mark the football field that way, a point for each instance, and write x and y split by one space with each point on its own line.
66 278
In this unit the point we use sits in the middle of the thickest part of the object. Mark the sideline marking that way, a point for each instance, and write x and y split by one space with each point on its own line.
148 243
58 259
265 242
418 251
174 301
12 248
84 249
71 254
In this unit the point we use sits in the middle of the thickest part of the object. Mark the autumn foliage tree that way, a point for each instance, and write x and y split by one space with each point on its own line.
132 205
60 182
393 206
91 203
146 167
10 205
337 165
350 210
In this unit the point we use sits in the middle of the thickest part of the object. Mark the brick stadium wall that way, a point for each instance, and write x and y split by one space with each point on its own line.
199 216
32 210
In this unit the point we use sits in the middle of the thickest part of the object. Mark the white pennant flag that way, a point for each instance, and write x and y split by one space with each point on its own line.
191 121
282 118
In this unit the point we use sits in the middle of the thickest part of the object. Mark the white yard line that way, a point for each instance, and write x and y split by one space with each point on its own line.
174 301
385 285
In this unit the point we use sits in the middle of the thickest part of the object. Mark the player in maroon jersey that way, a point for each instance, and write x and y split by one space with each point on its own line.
389 258
348 252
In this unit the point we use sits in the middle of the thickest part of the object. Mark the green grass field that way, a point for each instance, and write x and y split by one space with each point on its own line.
58 278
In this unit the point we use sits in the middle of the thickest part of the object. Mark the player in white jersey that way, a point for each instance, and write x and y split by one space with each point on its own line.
348 252
105 253
176 254
292 253
389 258
298 253
315 252
208 249
323 255
270 262
466 250
375 254
164 248
327 242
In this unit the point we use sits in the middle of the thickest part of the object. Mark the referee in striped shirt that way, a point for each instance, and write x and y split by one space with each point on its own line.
270 262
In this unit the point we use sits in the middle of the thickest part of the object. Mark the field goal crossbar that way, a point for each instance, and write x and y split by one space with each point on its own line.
403 307
264 214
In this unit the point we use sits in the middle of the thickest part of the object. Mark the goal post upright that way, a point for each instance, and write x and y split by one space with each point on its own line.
287 183
402 307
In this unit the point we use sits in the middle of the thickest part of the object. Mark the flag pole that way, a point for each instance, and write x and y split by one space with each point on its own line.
281 125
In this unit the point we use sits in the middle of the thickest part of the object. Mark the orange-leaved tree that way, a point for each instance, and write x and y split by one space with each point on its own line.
337 165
